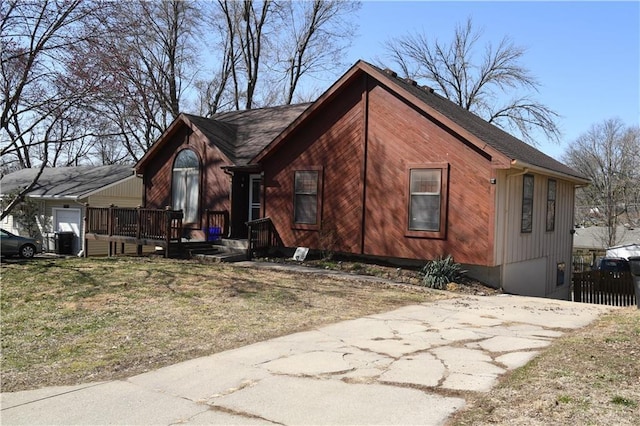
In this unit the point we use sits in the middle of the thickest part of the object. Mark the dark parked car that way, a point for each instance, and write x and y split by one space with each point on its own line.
12 245
614 264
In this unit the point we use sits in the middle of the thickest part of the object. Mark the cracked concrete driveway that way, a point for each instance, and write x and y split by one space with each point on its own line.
413 365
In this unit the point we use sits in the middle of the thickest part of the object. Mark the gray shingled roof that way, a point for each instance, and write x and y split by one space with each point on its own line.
241 135
66 182
594 237
497 138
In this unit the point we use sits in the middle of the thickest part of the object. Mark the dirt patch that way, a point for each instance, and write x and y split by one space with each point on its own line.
405 275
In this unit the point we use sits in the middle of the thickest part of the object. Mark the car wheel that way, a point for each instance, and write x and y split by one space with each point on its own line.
27 251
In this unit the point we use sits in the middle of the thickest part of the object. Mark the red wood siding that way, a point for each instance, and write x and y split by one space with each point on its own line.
214 183
400 136
396 136
333 140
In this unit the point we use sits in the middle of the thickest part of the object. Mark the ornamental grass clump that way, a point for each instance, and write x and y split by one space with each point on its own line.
440 272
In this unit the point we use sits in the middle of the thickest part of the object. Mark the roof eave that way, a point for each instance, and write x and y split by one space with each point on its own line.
55 197
521 165
164 137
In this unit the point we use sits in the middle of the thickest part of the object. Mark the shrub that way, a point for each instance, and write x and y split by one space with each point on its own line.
440 272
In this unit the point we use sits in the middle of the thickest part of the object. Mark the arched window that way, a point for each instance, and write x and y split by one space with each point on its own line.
186 185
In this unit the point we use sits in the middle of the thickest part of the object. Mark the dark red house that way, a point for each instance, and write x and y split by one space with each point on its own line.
378 166
189 167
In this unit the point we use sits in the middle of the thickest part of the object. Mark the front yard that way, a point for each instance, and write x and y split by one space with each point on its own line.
75 320
68 321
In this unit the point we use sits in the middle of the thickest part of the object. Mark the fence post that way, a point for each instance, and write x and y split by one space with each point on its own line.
577 287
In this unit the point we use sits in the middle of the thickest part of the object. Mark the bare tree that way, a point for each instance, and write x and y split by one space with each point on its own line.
315 36
268 47
146 63
477 80
609 154
40 104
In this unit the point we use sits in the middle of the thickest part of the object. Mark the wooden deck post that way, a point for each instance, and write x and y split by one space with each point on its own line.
110 226
85 244
167 219
139 230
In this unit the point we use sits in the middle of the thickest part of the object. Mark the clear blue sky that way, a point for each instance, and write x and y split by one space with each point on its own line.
584 54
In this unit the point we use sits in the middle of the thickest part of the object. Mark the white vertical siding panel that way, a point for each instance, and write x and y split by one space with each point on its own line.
555 246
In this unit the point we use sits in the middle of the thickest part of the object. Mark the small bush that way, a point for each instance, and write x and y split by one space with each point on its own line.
440 272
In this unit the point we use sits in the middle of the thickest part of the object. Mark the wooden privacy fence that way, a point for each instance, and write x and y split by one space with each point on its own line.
604 288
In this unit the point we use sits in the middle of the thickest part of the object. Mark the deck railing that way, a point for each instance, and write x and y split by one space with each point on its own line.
262 236
216 224
137 223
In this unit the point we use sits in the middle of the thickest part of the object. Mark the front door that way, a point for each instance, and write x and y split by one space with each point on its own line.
255 182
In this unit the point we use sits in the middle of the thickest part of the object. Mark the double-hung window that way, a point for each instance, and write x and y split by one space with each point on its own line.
186 185
526 224
427 201
306 202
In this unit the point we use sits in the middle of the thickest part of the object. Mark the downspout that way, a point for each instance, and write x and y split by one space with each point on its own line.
506 225
365 141
82 223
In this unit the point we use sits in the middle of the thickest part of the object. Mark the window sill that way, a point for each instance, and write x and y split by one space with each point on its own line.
433 235
305 227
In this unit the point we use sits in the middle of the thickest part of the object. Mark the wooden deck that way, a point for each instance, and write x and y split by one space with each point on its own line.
145 227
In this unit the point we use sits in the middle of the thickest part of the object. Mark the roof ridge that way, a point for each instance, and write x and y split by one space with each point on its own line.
497 137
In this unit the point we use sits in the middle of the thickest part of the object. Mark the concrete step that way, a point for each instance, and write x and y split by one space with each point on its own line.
232 243
223 250
221 257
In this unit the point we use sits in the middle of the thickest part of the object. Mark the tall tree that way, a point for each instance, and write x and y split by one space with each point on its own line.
477 78
608 154
266 48
318 33
147 62
40 102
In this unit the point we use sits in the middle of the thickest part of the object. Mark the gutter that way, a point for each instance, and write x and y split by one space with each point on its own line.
579 181
55 197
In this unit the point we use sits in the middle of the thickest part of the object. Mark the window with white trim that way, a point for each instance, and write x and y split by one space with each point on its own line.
424 211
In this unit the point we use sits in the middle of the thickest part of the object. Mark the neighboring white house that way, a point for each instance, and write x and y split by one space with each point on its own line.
62 193
593 238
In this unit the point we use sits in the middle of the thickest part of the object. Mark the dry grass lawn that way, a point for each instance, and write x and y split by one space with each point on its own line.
67 321
71 321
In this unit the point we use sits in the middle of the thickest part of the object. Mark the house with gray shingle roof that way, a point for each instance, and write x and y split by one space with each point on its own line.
62 194
377 167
